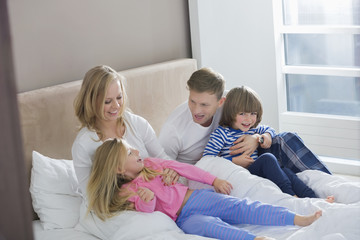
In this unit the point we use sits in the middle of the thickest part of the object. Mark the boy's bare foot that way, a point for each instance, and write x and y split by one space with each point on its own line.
330 199
264 238
307 220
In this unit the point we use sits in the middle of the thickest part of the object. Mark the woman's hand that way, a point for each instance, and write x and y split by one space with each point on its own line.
246 144
170 177
243 160
222 186
145 194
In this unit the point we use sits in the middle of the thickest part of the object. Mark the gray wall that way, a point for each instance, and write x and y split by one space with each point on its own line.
59 40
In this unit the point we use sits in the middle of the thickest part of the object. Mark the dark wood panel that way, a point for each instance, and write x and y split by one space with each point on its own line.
15 217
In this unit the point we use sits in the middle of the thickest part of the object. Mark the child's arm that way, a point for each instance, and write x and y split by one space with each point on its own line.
215 143
222 186
186 170
144 200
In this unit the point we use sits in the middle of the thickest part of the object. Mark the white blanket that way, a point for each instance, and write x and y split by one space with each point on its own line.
340 220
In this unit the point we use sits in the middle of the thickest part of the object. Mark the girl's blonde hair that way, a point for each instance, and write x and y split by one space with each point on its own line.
240 99
104 190
92 92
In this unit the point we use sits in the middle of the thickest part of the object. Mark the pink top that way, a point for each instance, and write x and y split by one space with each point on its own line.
167 199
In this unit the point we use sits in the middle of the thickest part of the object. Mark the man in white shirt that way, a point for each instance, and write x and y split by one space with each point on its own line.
187 130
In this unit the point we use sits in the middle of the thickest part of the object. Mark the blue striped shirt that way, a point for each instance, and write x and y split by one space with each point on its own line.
223 138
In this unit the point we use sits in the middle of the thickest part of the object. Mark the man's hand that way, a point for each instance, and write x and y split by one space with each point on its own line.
222 186
145 194
246 144
243 160
170 177
267 141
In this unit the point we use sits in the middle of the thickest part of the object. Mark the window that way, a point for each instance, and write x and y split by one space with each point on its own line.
318 73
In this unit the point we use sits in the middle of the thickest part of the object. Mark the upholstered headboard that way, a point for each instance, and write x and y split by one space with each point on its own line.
47 117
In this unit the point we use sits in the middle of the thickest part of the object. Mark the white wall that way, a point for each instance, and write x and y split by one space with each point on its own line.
58 41
236 38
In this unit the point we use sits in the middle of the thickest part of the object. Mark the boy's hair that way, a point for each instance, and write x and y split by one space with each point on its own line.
106 197
240 99
207 80
93 90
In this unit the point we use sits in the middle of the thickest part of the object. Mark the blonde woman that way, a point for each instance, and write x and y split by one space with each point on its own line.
122 180
101 107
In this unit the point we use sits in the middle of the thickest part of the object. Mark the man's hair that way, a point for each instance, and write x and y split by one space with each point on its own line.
207 80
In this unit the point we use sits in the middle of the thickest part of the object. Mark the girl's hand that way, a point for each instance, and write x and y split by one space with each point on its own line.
145 194
243 160
222 186
246 144
267 140
170 177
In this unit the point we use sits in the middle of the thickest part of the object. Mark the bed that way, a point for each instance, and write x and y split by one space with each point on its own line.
49 127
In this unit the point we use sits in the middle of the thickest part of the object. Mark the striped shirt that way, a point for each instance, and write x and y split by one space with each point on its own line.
223 138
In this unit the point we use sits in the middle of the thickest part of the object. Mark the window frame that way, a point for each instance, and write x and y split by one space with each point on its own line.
317 130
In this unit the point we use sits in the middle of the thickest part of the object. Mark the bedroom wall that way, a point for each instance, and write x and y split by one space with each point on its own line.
236 38
58 41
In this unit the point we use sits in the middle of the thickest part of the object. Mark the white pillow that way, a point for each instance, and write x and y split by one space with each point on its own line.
53 190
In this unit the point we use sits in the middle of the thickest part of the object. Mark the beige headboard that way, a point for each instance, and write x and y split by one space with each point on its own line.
49 125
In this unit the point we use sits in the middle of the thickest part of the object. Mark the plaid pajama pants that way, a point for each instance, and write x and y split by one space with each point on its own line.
292 153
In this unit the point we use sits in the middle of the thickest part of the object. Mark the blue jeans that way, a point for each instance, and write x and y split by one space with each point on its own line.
267 166
292 153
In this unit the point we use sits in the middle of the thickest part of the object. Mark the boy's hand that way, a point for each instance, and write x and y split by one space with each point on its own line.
170 177
243 160
222 186
145 194
246 144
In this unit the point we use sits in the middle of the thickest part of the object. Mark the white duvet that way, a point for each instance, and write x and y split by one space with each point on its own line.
340 220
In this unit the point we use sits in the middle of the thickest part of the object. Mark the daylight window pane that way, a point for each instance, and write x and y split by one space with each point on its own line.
323 94
332 50
321 12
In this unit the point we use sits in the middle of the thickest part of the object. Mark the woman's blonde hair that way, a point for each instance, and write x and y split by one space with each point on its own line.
104 190
240 99
92 92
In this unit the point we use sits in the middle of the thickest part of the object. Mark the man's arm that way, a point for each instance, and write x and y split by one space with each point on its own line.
170 141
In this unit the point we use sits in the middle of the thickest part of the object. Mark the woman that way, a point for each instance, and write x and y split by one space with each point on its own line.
101 107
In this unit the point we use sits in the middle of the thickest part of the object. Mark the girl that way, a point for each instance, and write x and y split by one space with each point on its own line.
121 180
241 115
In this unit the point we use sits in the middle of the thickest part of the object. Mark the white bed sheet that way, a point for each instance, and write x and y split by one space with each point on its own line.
59 234
339 221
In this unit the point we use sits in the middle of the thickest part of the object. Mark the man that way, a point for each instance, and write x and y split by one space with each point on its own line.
187 130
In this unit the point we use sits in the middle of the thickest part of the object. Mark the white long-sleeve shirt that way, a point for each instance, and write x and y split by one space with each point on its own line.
182 138
139 134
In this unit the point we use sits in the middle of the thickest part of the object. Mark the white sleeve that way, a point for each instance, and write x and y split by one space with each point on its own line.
82 164
147 134
83 150
170 141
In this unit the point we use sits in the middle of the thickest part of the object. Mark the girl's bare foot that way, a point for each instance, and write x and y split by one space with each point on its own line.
330 199
307 220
